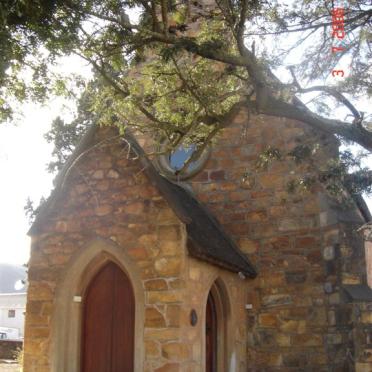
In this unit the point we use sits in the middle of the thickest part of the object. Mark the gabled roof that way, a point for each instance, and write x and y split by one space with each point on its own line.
207 239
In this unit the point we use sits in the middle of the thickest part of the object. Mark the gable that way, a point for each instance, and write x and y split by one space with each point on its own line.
206 238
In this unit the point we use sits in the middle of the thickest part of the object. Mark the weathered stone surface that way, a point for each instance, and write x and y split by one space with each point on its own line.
267 320
367 317
176 351
168 267
153 318
169 367
295 277
112 173
164 297
248 246
103 210
293 326
297 321
152 349
173 315
156 285
276 300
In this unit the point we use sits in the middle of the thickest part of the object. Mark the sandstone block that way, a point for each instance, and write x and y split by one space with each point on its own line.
267 320
135 208
350 278
148 240
156 285
176 351
295 277
362 367
168 266
283 340
276 300
169 367
38 332
170 248
40 292
248 246
162 334
112 173
103 210
163 297
270 180
334 339
138 253
173 315
288 224
98 174
152 349
293 326
307 340
153 318
367 317
217 175
169 232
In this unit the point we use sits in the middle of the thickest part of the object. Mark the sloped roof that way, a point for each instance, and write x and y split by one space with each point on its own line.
207 239
11 277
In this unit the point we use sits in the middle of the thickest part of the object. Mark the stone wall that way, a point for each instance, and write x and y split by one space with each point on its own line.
108 202
304 250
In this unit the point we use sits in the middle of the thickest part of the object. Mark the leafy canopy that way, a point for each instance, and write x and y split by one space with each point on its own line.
184 68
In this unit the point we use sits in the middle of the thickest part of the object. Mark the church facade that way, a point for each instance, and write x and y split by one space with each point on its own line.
133 270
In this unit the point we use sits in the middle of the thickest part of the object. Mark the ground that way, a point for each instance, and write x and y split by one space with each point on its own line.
9 366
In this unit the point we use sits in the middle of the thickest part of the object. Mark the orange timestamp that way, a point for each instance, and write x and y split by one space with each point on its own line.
338 33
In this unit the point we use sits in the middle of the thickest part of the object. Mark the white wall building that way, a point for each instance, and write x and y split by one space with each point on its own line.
12 301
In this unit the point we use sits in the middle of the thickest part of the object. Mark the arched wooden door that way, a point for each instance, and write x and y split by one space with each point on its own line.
211 335
108 323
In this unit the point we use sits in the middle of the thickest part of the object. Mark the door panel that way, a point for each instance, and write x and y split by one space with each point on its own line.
123 323
108 323
211 335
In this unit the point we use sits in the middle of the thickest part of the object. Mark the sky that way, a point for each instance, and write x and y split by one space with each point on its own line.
24 154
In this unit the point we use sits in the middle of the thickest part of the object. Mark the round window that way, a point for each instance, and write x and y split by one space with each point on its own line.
172 164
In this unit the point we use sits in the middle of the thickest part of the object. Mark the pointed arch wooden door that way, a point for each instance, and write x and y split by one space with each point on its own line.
211 335
108 322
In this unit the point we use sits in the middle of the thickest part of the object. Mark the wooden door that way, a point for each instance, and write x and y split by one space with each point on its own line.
211 335
108 323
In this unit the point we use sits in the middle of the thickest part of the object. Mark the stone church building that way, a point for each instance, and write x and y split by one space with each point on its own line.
133 269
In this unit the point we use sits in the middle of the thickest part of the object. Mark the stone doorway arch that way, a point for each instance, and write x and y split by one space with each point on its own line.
65 353
217 322
108 322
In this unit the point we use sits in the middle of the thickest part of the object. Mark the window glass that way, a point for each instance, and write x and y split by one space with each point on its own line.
180 156
11 313
171 164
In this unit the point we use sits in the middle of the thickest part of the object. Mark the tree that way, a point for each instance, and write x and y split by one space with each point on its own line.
204 62
33 33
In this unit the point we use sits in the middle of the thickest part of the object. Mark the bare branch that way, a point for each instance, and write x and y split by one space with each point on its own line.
329 90
352 20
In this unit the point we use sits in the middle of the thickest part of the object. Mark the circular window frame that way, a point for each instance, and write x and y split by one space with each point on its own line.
163 163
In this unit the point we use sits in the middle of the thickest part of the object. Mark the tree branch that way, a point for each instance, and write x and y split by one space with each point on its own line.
164 16
329 90
278 107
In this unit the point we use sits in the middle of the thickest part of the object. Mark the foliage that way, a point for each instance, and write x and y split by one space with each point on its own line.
65 136
18 356
183 69
30 209
341 177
